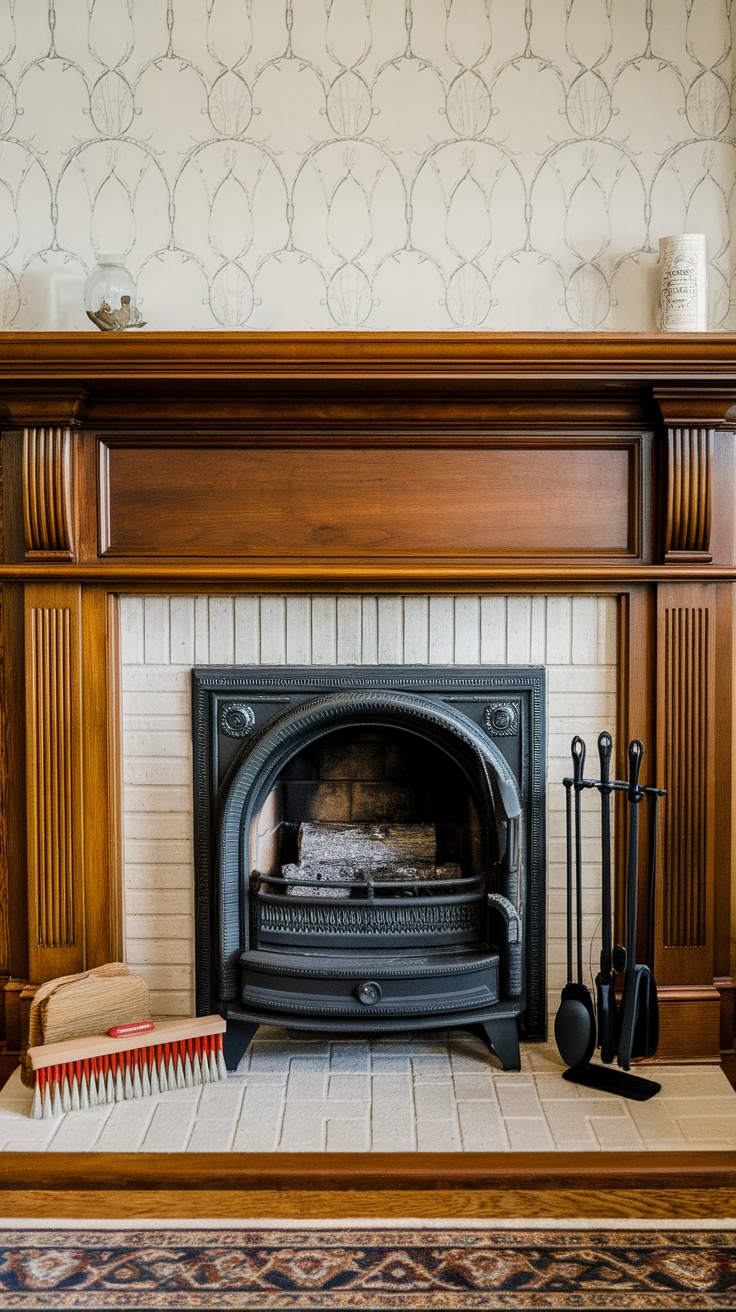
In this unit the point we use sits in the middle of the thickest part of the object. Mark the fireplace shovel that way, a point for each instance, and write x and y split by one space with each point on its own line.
639 1008
575 1019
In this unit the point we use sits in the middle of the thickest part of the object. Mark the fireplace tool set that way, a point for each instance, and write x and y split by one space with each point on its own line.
627 1028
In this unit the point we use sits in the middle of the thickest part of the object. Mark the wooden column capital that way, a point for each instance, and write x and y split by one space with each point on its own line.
697 406
59 403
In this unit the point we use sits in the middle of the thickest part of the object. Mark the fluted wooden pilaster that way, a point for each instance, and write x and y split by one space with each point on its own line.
54 808
688 510
48 510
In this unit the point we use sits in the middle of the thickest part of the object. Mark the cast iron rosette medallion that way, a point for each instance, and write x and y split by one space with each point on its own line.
237 719
501 719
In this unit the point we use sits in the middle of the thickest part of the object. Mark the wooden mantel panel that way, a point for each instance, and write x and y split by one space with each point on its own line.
514 499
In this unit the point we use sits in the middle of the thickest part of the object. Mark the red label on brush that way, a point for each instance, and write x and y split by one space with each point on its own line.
140 1027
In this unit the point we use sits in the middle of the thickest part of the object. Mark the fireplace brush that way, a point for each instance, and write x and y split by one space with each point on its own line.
132 1061
629 1030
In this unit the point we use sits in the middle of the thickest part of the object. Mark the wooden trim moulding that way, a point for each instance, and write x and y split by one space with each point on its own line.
331 1185
83 356
289 576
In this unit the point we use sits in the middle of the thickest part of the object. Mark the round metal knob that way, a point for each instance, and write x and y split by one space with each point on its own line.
369 992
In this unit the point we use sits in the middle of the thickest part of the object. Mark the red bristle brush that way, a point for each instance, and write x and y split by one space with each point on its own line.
127 1063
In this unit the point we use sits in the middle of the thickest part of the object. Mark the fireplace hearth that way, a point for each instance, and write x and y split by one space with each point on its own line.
370 850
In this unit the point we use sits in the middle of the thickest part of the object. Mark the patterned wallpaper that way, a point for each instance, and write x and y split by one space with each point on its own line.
406 164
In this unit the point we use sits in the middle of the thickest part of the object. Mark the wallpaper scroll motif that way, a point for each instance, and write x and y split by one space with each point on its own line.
317 164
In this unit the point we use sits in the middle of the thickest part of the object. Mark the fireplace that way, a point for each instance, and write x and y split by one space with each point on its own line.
370 850
247 474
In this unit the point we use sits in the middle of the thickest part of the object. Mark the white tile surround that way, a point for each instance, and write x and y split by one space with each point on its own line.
163 637
442 1094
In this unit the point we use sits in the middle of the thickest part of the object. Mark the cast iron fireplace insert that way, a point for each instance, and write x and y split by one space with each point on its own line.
370 850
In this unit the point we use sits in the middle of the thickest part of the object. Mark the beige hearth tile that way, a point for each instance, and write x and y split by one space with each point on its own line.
517 1099
79 1134
211 1136
350 1057
528 1134
345 1135
482 1127
349 1087
550 1087
434 1100
387 1057
544 1057
259 1126
569 1124
170 1126
656 1123
700 1105
311 1054
224 1099
303 1127
613 1132
470 1087
705 1130
431 1062
305 1086
438 1136
393 1127
468 1054
128 1124
268 1061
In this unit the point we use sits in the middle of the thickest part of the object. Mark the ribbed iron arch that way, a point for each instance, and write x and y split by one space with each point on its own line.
270 751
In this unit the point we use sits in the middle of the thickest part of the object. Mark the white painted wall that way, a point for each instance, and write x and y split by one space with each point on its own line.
387 164
163 637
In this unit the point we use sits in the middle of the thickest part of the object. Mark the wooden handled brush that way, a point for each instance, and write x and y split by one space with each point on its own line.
80 1073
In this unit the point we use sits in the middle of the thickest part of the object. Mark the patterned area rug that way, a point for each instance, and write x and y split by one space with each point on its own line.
391 1267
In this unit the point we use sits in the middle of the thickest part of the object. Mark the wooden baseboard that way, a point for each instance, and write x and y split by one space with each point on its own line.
361 1185
689 1024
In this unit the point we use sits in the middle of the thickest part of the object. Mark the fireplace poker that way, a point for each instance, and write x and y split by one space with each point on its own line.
605 982
575 1030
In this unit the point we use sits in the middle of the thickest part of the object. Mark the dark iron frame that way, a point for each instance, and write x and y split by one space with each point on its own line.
521 739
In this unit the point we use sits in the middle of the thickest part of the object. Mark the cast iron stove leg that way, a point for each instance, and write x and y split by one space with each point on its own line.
503 1037
235 1042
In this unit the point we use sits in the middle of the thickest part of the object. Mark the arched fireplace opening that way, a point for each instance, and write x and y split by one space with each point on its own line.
371 870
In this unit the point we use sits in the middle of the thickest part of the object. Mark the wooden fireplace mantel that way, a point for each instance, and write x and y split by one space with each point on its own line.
163 462
368 460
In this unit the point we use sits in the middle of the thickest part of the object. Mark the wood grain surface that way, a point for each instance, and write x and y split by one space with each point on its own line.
314 1185
520 498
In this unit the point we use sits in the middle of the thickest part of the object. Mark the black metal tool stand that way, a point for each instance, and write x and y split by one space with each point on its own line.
606 1077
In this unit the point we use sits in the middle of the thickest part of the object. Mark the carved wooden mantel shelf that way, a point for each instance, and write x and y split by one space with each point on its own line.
370 460
157 462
